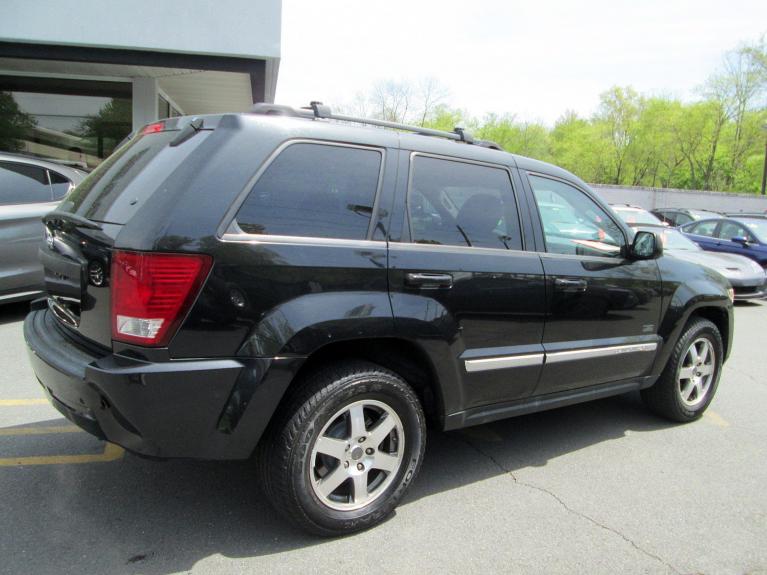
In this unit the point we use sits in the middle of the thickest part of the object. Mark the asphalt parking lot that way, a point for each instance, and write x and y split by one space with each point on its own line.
604 487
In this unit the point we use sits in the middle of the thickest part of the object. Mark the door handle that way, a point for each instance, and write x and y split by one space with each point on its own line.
429 280
570 285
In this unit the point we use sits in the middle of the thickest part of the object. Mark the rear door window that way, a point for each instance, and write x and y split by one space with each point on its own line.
314 190
730 230
59 185
461 204
703 228
23 184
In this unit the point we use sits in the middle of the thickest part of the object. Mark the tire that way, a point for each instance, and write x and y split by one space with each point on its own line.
318 463
680 398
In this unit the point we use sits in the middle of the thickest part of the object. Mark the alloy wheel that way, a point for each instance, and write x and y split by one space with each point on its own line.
696 373
357 455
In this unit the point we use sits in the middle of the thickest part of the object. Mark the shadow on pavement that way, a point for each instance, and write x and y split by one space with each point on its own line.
13 312
164 517
748 303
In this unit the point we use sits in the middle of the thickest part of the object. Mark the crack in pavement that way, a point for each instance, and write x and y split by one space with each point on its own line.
566 506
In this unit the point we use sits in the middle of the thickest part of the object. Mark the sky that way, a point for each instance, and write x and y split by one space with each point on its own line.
534 59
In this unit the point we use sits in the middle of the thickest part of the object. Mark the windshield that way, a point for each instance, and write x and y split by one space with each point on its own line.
757 226
674 240
634 216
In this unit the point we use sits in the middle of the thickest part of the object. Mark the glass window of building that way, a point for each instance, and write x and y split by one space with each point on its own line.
78 124
165 109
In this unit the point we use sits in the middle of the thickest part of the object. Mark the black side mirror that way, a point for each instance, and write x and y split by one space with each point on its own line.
741 240
646 246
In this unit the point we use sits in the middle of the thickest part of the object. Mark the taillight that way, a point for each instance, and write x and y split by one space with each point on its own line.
151 293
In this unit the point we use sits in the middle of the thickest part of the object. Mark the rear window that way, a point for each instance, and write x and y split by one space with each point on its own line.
757 226
314 190
703 228
23 184
59 185
120 185
633 216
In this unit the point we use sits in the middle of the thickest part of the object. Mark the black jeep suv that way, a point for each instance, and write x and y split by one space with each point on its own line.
286 285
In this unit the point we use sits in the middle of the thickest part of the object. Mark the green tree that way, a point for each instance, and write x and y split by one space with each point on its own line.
757 52
110 122
656 160
736 89
107 128
445 118
617 118
15 125
523 138
577 145
714 143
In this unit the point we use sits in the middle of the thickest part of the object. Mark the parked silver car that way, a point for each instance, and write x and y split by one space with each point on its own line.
635 215
29 188
747 277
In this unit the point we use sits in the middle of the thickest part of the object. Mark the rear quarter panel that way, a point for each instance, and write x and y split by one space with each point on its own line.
295 299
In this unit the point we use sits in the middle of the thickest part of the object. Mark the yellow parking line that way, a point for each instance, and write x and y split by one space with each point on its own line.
111 452
39 430
715 418
15 402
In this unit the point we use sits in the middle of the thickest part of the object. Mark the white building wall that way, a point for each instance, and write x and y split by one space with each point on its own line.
144 101
652 198
245 28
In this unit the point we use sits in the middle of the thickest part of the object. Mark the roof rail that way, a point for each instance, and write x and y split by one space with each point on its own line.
317 110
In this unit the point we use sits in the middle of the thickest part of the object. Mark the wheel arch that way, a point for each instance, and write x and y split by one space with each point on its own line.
403 357
717 311
721 319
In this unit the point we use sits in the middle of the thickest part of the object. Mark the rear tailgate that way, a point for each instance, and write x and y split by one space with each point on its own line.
81 233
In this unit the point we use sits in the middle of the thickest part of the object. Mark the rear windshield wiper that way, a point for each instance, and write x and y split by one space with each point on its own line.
189 130
79 221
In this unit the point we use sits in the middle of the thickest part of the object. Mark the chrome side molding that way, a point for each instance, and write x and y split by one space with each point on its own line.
593 352
528 360
504 362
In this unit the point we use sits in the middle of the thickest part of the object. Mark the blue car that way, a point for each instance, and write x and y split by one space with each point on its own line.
745 236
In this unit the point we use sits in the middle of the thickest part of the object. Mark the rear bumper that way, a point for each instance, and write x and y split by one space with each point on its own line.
202 409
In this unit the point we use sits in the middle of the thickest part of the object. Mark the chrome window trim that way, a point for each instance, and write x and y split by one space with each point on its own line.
228 223
265 239
504 362
532 359
412 246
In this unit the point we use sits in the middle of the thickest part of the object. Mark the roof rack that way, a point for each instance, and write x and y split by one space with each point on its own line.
317 110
